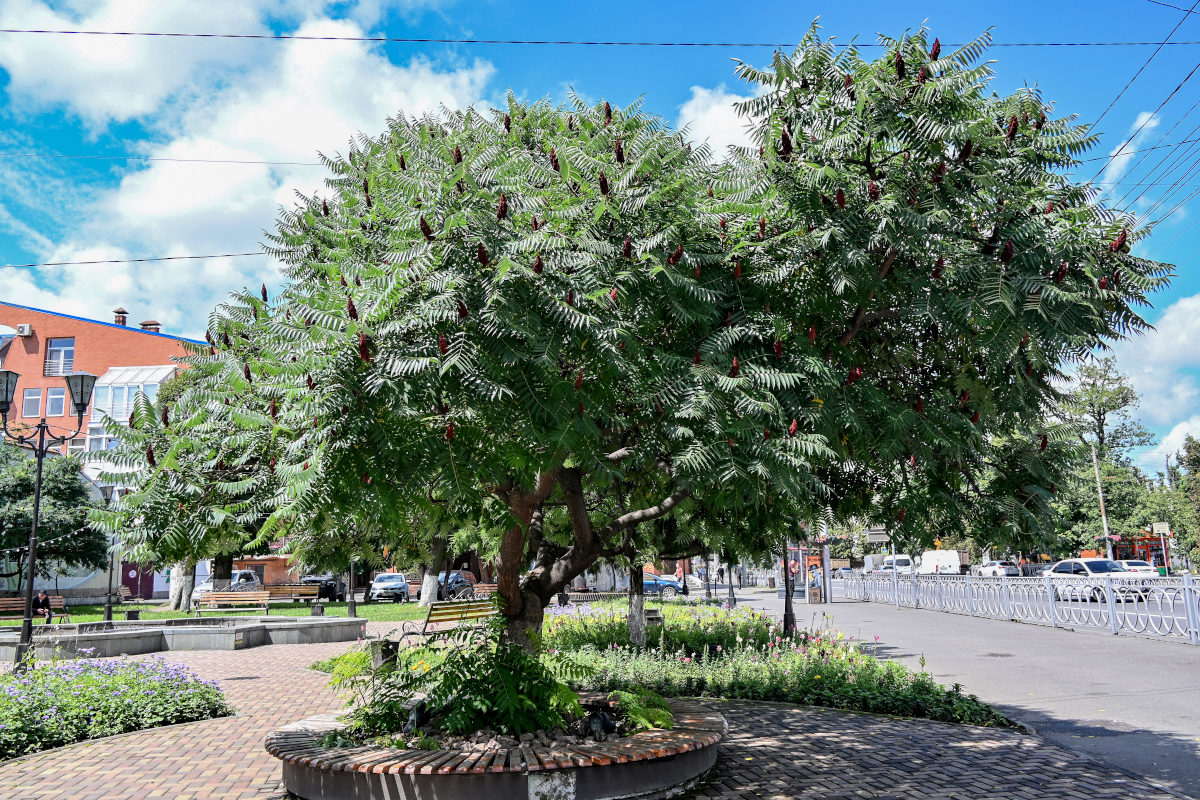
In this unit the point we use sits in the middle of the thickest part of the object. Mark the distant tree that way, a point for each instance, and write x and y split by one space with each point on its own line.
1099 404
65 538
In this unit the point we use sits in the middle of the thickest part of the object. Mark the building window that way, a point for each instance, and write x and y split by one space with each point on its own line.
31 403
117 400
77 445
98 438
60 357
56 401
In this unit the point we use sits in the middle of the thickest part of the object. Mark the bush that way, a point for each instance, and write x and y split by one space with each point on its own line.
476 682
694 629
816 668
56 703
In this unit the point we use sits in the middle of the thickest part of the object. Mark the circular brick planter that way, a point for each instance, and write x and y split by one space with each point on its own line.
651 764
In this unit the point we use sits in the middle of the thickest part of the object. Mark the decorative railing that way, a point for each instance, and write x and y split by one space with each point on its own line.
1167 608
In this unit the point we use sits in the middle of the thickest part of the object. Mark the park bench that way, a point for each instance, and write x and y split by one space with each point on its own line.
213 600
484 590
592 597
294 591
448 615
14 608
128 596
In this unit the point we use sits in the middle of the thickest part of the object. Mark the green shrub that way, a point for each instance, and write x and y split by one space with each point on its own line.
477 681
694 629
56 703
817 668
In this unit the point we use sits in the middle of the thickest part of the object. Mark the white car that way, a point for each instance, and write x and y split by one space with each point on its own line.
996 569
1087 579
1138 566
241 580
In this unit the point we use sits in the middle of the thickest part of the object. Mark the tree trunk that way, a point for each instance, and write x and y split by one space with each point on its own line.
176 591
189 583
429 580
789 614
637 607
222 572
526 628
729 574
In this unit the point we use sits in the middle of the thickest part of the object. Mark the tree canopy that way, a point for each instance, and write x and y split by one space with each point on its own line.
565 323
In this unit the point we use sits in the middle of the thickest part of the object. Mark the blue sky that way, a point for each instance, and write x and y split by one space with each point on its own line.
283 101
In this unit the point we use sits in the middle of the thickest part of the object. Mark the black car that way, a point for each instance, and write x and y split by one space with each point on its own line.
330 587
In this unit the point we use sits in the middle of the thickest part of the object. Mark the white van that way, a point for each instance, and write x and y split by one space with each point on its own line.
902 564
943 562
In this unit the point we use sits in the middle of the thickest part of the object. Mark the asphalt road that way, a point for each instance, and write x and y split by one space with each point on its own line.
1131 703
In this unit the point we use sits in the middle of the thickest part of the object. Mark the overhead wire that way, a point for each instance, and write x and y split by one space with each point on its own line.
126 260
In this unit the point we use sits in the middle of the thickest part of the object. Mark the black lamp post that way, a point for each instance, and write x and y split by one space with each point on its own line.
79 386
112 552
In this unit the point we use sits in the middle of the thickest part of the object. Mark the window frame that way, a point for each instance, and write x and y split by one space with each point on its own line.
25 397
58 393
57 367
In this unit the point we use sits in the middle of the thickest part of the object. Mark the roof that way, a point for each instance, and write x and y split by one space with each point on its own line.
98 322
136 376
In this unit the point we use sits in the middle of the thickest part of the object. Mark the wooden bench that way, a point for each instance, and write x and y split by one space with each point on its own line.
128 596
307 592
212 601
447 615
484 590
14 608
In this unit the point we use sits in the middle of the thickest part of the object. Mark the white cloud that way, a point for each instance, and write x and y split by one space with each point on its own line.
1156 363
710 117
1119 163
306 97
117 78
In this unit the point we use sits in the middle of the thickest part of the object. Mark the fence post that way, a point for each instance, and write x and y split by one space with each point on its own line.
916 586
1050 600
940 601
895 585
970 595
1190 609
1112 603
1007 597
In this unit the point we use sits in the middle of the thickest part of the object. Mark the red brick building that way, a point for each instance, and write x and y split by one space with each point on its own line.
42 346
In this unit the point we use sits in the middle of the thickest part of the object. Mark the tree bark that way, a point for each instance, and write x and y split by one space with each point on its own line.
429 580
222 573
189 584
176 592
637 607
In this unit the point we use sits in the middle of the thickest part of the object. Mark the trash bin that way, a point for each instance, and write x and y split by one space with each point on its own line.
771 582
134 614
316 610
814 594
1162 572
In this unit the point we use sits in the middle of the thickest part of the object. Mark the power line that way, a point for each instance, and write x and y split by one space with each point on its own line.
1142 69
161 158
1168 5
567 42
126 260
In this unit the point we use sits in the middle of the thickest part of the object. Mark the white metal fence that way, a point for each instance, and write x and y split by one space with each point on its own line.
1167 608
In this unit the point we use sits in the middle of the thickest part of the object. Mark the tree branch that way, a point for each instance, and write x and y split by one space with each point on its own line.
859 318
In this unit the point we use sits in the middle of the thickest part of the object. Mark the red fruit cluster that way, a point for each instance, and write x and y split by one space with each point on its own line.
627 248
938 266
502 208
246 371
443 345
733 372
899 61
450 431
607 113
537 264
1011 133
936 50
324 208
462 311
364 349
579 381
264 292
675 257
793 427
150 456
696 358
778 349
854 375
812 334
426 231
1045 443
1007 253
351 309
481 255
619 152
737 269
785 145
603 183
920 406
1117 243
872 190
922 74
841 199
457 155
554 160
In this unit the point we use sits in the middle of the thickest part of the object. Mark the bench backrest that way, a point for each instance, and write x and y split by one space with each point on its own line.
485 589
460 611
125 593
213 598
293 590
18 603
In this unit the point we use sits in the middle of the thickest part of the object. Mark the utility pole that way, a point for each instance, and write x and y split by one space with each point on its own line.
1103 513
1170 477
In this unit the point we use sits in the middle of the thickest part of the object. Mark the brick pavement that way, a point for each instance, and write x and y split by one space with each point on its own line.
773 750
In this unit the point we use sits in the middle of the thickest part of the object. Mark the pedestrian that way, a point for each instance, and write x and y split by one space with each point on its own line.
41 605
720 574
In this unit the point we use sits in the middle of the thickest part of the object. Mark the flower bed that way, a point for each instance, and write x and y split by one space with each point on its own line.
688 627
57 703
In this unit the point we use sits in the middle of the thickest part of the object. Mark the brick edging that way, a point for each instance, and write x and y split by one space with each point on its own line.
695 728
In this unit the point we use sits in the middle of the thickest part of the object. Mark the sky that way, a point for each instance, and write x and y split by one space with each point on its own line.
82 117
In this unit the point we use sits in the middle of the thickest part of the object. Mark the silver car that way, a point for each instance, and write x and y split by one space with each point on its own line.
240 580
390 586
1087 579
995 569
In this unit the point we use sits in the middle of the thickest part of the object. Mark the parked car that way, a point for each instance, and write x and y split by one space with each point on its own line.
662 585
996 569
1138 566
329 586
241 580
843 572
1086 579
390 586
461 586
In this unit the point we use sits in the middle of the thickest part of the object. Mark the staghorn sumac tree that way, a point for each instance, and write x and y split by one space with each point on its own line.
565 324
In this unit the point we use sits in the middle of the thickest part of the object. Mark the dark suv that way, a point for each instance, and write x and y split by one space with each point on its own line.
330 587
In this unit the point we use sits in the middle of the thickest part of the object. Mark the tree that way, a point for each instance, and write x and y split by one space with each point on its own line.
566 324
1188 539
65 539
1099 404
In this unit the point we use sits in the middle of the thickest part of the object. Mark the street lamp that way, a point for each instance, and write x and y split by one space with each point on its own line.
79 386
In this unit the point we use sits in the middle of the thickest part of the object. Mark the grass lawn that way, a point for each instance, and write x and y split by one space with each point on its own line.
376 612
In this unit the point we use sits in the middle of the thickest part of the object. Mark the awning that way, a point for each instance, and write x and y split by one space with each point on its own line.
137 376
